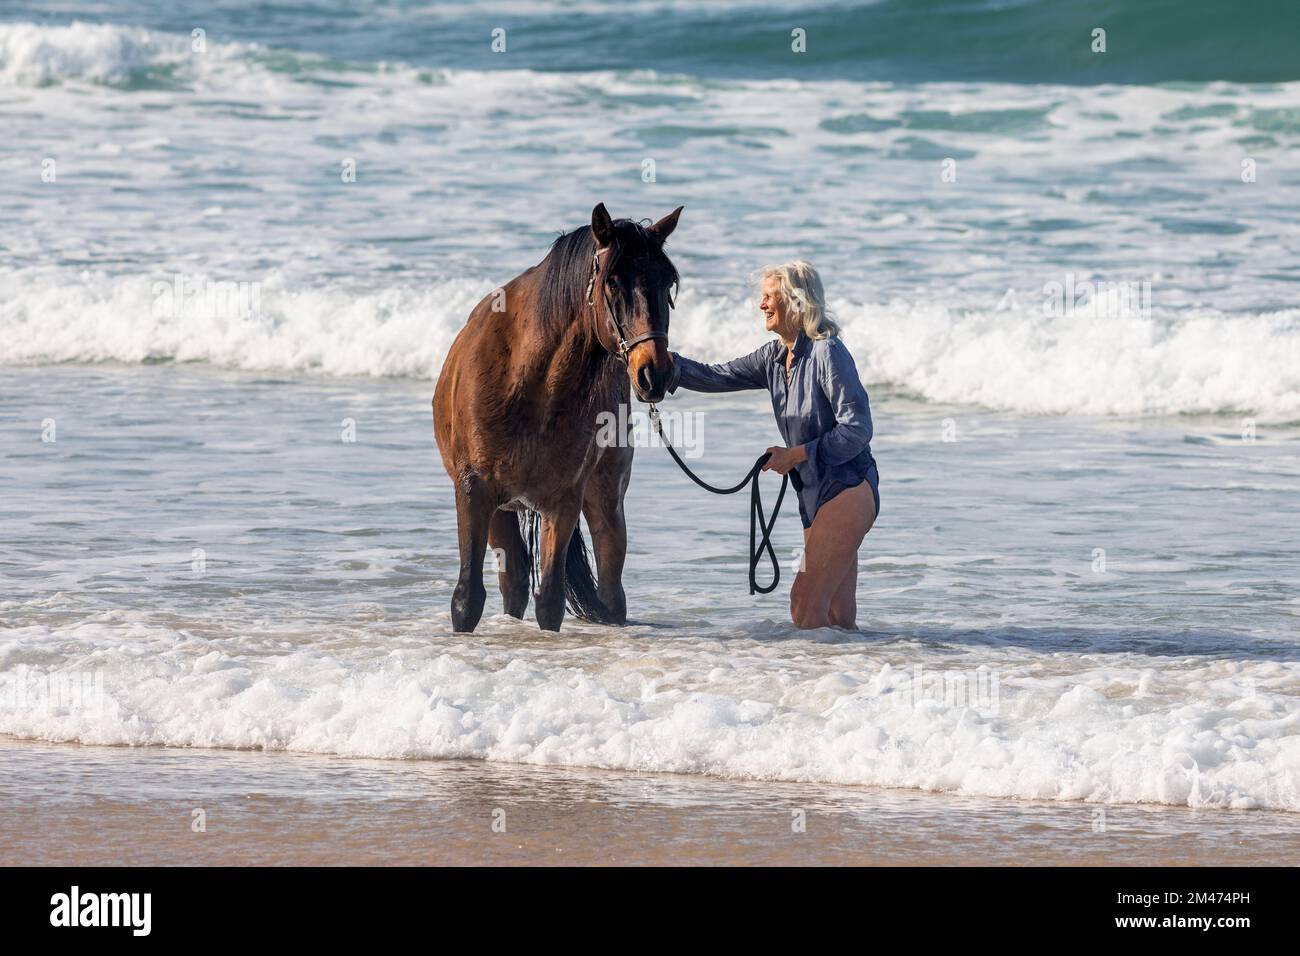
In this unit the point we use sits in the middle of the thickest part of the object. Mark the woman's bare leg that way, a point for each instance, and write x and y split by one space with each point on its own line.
843 611
824 593
844 602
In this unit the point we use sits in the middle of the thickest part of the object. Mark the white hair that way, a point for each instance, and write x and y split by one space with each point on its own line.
801 289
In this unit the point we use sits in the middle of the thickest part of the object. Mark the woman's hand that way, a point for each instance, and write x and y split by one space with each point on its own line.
783 459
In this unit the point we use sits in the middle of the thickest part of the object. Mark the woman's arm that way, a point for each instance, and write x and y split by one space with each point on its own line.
748 371
838 377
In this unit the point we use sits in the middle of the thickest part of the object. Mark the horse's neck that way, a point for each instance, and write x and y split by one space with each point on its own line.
572 364
566 366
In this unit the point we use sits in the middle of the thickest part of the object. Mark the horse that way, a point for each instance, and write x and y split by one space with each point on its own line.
517 413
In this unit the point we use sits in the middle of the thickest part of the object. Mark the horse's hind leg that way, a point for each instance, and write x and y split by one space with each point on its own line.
557 529
473 512
603 505
514 564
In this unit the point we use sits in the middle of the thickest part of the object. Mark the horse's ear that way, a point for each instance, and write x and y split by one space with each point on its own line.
665 226
602 227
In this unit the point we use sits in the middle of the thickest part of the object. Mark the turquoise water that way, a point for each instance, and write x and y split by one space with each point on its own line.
900 41
369 175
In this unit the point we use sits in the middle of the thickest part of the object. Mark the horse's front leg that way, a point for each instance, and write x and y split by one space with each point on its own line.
603 505
474 508
557 529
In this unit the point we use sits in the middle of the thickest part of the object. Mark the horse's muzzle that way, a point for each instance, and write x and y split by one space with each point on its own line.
650 366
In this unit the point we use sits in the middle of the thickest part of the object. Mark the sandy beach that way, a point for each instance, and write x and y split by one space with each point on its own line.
97 806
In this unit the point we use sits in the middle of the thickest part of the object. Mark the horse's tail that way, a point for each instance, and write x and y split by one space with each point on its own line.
580 591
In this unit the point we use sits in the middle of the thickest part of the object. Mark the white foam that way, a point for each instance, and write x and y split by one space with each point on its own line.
32 55
1129 728
1133 365
96 318
1017 361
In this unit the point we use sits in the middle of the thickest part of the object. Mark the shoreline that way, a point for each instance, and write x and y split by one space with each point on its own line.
80 805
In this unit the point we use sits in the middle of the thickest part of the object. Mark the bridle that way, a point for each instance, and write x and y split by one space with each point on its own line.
625 345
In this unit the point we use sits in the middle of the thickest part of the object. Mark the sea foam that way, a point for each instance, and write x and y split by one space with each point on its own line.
1126 729
32 55
1022 361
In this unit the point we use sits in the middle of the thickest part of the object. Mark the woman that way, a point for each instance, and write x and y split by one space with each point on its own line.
823 415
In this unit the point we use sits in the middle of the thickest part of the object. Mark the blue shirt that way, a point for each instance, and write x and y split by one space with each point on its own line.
823 407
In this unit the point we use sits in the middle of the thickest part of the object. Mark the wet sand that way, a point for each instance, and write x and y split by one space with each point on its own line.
68 804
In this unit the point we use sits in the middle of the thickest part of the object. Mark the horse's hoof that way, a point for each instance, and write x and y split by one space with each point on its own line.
550 622
465 612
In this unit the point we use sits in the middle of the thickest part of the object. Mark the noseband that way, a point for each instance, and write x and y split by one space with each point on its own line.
625 345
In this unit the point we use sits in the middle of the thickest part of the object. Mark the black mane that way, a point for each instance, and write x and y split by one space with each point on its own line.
563 292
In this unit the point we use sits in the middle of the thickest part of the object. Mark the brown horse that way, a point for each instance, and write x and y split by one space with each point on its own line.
518 407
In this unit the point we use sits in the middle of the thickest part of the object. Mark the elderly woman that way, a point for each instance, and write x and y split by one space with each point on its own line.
823 414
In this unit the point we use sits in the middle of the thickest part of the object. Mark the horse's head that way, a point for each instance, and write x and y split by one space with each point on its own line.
631 293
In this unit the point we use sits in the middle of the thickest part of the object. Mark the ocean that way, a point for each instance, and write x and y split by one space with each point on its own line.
240 238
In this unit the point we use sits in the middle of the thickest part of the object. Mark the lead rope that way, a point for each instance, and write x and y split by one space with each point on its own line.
756 519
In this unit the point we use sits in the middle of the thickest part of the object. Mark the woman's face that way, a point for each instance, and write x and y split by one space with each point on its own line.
773 305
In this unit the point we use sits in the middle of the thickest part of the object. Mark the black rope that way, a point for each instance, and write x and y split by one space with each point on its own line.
756 519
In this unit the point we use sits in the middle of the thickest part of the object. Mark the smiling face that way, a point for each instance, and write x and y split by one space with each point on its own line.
776 311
